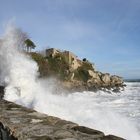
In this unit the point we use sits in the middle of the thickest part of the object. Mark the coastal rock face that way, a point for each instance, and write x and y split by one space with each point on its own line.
106 79
20 123
116 80
75 73
94 78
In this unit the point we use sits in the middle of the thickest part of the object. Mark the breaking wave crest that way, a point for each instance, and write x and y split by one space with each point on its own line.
111 113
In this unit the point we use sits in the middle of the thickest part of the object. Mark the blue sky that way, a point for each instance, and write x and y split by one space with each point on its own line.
106 32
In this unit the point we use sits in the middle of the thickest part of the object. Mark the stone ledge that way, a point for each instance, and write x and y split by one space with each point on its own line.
27 124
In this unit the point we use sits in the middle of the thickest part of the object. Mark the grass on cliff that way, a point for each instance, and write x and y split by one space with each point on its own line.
58 65
51 66
82 72
42 63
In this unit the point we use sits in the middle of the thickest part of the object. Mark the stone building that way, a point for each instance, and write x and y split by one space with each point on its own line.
51 52
71 60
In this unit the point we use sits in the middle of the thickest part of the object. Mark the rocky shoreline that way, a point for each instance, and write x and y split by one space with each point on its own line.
78 86
20 123
75 74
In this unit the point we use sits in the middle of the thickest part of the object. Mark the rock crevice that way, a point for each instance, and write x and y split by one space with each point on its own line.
6 133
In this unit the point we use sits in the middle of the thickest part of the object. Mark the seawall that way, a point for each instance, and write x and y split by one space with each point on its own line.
21 123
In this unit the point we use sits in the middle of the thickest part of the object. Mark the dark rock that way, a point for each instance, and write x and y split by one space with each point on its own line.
1 92
116 90
89 131
41 138
5 133
111 137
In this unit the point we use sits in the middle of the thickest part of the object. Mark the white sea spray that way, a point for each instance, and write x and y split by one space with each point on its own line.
98 110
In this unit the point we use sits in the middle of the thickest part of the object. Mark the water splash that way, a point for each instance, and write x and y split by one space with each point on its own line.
19 73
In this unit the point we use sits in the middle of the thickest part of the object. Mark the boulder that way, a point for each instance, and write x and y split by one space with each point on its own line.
94 81
94 77
106 79
116 80
111 137
71 76
92 74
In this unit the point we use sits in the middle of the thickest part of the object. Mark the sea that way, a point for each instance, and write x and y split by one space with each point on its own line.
112 113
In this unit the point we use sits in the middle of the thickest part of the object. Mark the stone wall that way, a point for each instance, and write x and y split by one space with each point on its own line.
27 124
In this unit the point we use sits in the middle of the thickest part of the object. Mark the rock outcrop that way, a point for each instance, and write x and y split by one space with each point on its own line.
20 123
77 74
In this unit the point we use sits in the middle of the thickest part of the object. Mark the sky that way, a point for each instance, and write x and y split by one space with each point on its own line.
106 32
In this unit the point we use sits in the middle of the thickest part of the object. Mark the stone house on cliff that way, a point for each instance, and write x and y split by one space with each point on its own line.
70 58
51 52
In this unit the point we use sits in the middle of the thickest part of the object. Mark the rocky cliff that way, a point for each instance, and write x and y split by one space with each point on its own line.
75 74
20 123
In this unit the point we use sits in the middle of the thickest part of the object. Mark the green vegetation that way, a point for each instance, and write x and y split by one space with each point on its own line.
59 66
84 59
29 44
87 66
81 74
42 63
51 66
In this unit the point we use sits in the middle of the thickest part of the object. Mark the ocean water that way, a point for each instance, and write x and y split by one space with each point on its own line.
113 113
127 102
